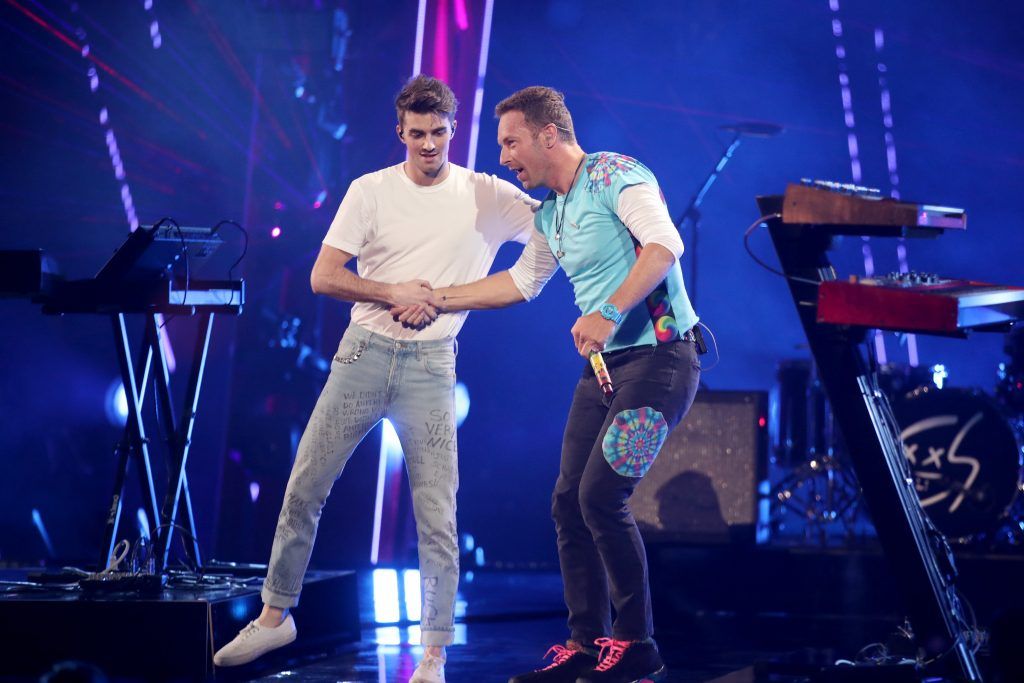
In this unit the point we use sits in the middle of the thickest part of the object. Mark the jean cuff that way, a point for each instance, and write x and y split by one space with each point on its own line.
277 600
437 638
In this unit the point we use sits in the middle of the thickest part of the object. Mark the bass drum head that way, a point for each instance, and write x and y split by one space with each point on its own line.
966 458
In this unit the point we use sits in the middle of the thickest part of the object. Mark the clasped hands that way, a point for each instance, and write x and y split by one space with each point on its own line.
414 304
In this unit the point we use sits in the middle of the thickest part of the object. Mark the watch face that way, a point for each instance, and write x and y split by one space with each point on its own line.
610 312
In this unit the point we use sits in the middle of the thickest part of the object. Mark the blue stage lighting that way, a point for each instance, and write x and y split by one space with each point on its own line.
411 581
37 519
116 404
143 522
388 635
385 596
461 403
239 610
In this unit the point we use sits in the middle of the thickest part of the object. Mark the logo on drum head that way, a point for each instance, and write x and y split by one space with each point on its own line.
933 463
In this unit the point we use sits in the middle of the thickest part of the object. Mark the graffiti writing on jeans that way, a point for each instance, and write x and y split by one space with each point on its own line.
359 409
429 612
440 431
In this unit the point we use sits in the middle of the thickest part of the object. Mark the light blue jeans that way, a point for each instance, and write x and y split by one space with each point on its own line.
412 384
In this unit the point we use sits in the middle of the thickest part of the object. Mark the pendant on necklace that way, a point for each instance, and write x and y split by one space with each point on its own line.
559 254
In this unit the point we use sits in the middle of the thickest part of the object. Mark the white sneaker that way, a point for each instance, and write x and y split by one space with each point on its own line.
430 670
255 641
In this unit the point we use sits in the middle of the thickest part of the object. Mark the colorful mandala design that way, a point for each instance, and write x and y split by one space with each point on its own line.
662 315
633 440
604 166
659 306
658 303
666 329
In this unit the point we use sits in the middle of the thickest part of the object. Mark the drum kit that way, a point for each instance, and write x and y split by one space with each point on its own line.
965 449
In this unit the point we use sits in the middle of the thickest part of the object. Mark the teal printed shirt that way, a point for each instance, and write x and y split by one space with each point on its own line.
598 251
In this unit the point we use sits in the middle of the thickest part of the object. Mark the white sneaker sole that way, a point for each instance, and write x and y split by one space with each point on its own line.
251 655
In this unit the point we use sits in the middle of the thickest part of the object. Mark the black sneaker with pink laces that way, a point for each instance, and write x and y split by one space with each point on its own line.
570 661
626 661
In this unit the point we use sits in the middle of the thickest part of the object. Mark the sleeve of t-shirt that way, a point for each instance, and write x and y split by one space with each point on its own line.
535 266
645 215
515 211
350 229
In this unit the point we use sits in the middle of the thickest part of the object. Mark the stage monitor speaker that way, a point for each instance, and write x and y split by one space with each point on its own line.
702 488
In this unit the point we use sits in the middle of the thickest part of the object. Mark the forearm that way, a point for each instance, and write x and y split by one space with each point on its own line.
494 291
650 269
342 284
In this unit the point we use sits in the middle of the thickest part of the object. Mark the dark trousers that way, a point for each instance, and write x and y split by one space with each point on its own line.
607 448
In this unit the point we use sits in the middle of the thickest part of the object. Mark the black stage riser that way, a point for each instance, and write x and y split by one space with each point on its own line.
168 638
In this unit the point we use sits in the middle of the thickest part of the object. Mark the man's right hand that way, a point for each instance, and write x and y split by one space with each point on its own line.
411 293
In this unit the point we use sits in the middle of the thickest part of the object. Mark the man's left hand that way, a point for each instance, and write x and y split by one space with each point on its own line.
591 333
414 317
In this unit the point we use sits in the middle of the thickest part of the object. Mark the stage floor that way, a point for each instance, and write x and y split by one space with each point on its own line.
713 623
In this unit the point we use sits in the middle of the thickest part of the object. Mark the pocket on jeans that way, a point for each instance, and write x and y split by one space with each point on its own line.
349 351
440 366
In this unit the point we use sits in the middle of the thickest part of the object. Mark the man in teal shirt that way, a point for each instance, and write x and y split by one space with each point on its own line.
605 223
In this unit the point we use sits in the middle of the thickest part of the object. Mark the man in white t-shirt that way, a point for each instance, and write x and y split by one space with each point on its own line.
422 221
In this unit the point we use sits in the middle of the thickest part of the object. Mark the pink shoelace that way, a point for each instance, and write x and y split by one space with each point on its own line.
562 655
611 652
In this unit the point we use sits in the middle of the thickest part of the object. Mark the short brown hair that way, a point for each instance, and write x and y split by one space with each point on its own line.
426 95
540 106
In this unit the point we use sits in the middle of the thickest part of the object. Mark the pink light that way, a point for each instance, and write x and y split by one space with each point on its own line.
317 204
461 16
441 42
275 232
278 205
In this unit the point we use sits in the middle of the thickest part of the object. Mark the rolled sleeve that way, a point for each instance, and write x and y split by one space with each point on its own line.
645 215
534 268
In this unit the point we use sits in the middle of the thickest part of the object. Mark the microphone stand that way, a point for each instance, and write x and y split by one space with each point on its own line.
692 211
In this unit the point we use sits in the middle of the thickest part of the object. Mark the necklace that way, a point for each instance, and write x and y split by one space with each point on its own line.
560 218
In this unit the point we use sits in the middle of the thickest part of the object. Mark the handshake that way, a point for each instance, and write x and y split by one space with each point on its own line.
415 304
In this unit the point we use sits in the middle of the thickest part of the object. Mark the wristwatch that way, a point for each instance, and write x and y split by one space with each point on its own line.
610 311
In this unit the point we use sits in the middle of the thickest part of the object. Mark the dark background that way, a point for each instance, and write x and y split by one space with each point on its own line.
232 116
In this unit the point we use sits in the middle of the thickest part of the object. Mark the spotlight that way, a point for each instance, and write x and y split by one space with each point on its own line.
275 232
116 404
143 522
411 582
385 596
37 520
461 403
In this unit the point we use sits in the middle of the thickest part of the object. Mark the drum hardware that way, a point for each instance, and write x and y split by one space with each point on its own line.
819 490
1010 375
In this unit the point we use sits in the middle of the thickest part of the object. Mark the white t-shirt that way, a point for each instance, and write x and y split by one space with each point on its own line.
446 234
